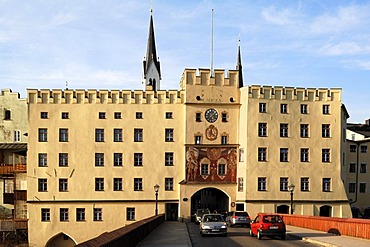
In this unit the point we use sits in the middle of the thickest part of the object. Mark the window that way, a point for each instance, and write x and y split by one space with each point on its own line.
45 214
63 159
80 214
283 184
325 109
262 107
262 154
117 184
8 114
198 139
198 117
363 149
138 135
138 159
139 115
138 184
117 159
130 213
168 159
43 184
99 184
168 135
326 130
284 155
326 184
240 184
99 135
283 130
326 155
117 115
99 159
43 115
64 214
261 184
63 135
352 188
362 188
241 154
101 115
168 184
17 135
43 135
283 108
98 214
204 169
117 133
363 168
63 184
262 129
352 148
224 117
352 167
221 169
304 109
305 184
168 115
224 139
304 154
304 130
43 159
65 115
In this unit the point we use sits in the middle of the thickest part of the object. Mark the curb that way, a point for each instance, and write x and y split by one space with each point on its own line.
190 244
311 240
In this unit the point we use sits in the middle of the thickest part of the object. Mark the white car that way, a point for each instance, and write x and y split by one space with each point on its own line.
212 224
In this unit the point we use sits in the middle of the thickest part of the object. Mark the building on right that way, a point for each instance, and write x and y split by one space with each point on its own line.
356 172
293 136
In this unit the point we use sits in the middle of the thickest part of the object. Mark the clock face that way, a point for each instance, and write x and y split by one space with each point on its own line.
211 115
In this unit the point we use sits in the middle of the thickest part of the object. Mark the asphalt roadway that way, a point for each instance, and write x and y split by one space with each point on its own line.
178 234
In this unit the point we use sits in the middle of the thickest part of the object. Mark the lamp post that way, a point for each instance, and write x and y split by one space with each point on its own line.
156 189
291 189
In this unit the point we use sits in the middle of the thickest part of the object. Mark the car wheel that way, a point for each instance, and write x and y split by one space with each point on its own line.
282 237
259 236
251 233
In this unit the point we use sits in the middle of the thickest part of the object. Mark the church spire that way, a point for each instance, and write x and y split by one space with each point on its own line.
239 66
152 69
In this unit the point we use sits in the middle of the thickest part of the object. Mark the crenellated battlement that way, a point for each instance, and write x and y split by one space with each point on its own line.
58 96
291 93
203 77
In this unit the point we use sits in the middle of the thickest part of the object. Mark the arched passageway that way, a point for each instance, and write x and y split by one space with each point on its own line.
282 209
325 211
211 198
61 239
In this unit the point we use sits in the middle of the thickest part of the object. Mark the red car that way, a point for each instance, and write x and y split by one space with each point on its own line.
267 225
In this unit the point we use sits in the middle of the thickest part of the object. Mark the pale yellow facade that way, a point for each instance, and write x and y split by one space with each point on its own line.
214 143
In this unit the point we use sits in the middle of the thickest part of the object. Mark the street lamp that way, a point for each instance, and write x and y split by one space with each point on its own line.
291 189
156 189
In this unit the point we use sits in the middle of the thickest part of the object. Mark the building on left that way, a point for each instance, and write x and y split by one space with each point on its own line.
13 152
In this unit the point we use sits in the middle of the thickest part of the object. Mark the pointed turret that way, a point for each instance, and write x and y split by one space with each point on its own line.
239 66
152 68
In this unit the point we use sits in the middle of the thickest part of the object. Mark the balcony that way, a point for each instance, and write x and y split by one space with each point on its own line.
10 169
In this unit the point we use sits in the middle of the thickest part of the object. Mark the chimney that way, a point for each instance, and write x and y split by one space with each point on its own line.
367 122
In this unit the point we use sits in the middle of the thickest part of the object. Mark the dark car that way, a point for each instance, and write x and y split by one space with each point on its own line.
267 225
238 218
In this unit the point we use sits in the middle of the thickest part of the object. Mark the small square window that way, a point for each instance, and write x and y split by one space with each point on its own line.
352 167
139 115
221 169
168 184
169 135
283 108
99 159
352 148
138 135
98 214
63 135
8 115
223 139
80 214
64 214
130 214
138 184
99 135
204 169
168 115
17 135
284 154
43 159
363 149
138 159
363 168
117 135
43 135
305 184
117 159
283 184
117 184
198 117
102 115
43 115
117 115
45 214
224 117
362 188
65 115
326 183
198 140
99 184
262 184
63 159
168 160
304 109
42 184
326 109
63 184
262 107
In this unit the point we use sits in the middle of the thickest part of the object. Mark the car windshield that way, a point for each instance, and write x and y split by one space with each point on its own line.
272 219
212 218
202 211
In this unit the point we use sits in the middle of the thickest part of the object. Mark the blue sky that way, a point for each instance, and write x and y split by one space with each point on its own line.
96 44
